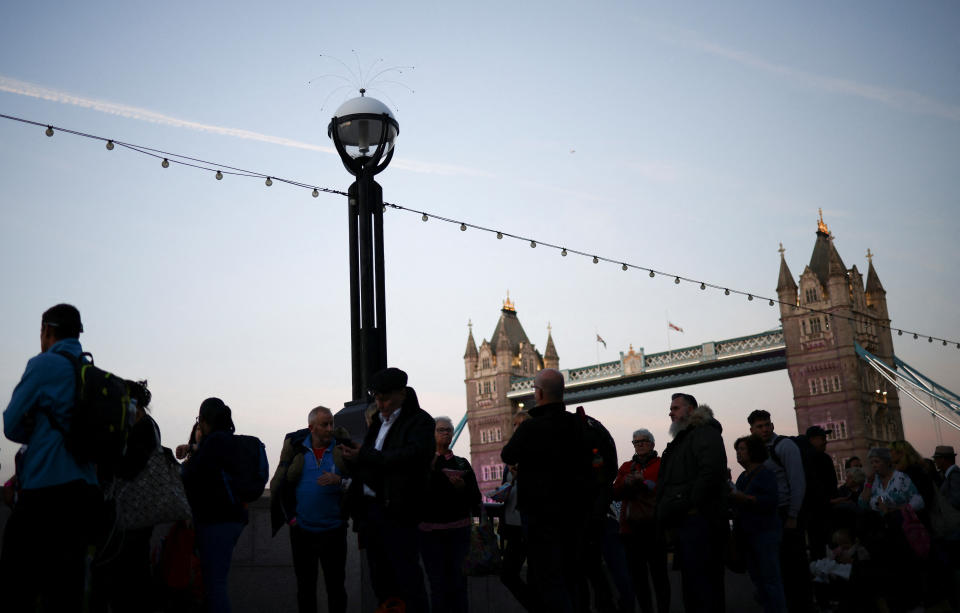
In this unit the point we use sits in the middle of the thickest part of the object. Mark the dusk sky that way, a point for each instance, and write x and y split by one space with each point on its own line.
691 138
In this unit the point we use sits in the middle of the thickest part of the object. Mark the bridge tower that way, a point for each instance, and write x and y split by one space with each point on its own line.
832 387
489 369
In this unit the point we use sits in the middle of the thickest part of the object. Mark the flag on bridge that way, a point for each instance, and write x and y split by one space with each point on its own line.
674 326
600 340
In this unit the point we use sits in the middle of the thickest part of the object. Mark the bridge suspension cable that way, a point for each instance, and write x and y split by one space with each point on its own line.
913 383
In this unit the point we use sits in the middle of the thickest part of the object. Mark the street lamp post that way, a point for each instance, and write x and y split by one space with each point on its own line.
363 131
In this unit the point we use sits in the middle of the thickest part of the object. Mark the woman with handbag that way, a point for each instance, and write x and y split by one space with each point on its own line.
453 497
757 527
636 487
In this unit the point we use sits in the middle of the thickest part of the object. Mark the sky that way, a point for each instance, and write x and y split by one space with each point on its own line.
692 138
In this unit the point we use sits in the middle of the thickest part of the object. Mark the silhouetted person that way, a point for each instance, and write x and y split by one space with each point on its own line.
553 473
47 535
692 501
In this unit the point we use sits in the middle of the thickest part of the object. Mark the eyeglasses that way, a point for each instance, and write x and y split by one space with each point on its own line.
643 440
444 429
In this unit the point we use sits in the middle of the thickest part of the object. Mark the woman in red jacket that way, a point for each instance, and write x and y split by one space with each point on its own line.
646 551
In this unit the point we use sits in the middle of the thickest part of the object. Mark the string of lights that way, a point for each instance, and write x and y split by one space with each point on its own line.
220 170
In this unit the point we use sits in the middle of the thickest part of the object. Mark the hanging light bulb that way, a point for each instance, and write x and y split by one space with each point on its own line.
49 131
929 339
771 302
316 193
944 343
499 235
899 332
702 286
749 296
268 182
463 227
726 292
624 266
564 252
165 163
652 275
914 336
219 175
676 280
596 259
424 217
109 145
533 244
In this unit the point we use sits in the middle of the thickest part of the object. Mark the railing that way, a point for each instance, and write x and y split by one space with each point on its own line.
639 363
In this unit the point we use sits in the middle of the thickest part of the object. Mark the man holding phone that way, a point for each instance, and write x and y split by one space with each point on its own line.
307 494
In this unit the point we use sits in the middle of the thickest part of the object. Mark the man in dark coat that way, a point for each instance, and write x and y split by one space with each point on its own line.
390 475
553 472
821 489
691 501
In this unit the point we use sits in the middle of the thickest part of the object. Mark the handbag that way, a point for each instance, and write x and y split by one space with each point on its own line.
155 496
917 536
484 555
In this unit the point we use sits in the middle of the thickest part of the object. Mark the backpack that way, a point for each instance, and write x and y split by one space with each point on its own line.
604 464
101 417
813 486
247 470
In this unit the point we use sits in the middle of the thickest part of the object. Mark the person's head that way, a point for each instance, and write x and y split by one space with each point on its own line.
751 450
760 424
944 457
818 438
320 423
214 416
57 323
443 432
880 461
643 442
682 407
519 417
389 390
842 538
855 477
853 462
140 394
548 387
904 455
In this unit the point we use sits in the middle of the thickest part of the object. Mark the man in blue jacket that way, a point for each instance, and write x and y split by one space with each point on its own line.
306 493
46 538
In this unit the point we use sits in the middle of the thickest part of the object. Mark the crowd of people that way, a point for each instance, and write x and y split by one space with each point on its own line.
593 536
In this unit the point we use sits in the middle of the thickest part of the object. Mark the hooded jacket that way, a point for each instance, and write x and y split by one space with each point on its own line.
693 471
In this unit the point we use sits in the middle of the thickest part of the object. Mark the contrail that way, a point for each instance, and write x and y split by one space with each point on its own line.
23 88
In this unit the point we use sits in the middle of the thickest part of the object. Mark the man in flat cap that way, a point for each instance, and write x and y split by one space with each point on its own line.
946 460
391 471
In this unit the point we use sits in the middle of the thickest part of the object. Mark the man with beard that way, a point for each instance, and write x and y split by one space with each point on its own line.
691 501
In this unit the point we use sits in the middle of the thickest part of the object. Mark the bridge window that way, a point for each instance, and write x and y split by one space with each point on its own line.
492 473
803 326
814 325
826 322
836 383
486 387
813 387
811 294
485 363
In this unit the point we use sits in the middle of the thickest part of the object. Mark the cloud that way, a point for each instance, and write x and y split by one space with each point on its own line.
905 100
23 88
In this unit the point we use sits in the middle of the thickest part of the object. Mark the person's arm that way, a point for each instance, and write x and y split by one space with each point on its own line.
513 450
418 445
619 484
789 454
25 397
711 462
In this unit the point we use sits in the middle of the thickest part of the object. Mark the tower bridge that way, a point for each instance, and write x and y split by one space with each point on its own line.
826 315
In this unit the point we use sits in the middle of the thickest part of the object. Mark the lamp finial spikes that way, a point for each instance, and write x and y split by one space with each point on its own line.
362 92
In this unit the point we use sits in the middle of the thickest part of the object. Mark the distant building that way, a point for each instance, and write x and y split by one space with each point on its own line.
832 386
489 369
